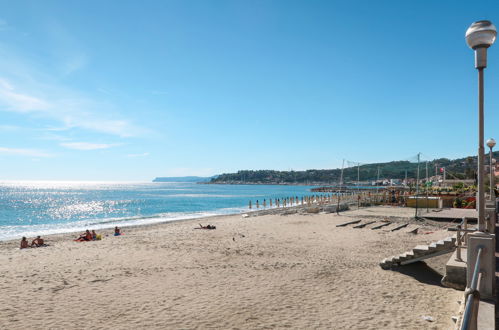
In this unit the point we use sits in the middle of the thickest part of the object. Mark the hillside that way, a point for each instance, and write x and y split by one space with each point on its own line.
462 168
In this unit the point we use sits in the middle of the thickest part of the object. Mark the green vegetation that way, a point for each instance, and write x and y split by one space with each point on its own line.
463 168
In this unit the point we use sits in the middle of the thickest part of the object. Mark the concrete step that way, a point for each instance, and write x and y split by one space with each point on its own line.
450 239
440 245
419 249
420 252
405 256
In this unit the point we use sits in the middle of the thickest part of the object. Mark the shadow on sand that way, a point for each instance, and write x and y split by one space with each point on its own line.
421 272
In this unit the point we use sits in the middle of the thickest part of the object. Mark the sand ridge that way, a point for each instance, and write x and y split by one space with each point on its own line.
262 272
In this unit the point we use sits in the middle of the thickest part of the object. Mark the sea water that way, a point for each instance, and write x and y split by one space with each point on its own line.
41 208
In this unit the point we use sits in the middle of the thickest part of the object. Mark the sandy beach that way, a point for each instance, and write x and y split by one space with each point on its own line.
295 271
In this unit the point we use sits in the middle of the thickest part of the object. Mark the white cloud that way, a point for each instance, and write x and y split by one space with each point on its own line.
9 128
24 152
145 154
39 91
4 25
49 136
72 110
19 102
87 145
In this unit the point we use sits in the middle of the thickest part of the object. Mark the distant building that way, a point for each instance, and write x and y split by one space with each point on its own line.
395 182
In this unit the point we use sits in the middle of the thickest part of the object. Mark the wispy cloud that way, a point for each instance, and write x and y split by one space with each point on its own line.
19 102
9 128
73 111
39 91
87 145
145 154
4 25
24 152
49 136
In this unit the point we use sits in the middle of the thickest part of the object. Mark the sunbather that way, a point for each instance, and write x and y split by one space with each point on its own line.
24 243
37 242
206 227
87 236
117 231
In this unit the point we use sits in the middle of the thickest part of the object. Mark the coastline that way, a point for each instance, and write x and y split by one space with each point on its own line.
294 270
250 213
78 206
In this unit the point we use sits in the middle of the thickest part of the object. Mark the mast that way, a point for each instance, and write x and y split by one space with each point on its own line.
427 187
377 182
358 177
341 177
339 191
417 187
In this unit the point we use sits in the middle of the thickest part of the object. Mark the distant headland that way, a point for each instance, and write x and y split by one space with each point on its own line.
183 179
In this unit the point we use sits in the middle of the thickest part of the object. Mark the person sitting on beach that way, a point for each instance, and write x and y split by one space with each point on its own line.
87 236
94 235
37 242
117 231
24 243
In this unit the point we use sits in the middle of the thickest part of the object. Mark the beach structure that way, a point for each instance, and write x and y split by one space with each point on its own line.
421 252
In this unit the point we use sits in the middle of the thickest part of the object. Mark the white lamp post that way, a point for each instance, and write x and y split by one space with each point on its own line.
491 143
480 36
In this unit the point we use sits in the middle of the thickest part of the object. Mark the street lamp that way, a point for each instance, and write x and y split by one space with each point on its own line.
491 143
480 36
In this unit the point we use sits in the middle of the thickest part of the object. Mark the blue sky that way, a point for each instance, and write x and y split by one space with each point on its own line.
129 90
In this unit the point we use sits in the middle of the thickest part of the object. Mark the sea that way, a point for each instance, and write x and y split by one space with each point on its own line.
49 207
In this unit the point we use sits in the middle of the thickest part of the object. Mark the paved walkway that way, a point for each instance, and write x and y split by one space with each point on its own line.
448 214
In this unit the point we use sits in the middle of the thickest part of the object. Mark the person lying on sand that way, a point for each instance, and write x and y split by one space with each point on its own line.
117 231
206 227
37 242
24 243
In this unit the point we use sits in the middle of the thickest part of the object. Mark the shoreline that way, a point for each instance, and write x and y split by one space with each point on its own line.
251 213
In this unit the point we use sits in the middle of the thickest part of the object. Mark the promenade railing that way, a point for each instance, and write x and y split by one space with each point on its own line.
472 295
461 236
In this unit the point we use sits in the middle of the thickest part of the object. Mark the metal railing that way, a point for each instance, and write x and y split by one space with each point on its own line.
461 235
472 295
